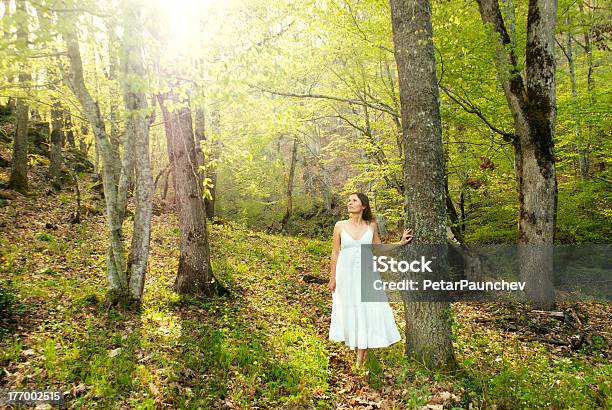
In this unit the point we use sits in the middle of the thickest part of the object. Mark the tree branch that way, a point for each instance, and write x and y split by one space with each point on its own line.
328 97
471 109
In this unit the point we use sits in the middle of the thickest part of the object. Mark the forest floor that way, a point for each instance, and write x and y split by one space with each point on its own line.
264 347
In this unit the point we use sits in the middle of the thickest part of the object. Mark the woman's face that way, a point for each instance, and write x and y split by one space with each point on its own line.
354 204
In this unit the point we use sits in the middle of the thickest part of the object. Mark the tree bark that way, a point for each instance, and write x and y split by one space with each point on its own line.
69 130
211 166
428 331
57 141
588 49
290 178
581 147
200 136
532 104
123 165
205 170
583 156
115 259
19 170
194 272
137 134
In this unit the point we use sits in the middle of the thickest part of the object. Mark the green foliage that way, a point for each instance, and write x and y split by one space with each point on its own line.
584 211
45 237
254 351
492 217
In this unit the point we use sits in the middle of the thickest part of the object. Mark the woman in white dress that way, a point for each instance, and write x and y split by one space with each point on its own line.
360 325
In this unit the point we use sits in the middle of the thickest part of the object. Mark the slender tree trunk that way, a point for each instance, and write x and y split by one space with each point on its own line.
428 331
166 183
84 147
206 168
69 129
57 141
96 155
211 167
115 258
462 206
583 156
10 104
123 166
200 137
137 130
588 49
290 179
194 272
532 104
127 166
19 171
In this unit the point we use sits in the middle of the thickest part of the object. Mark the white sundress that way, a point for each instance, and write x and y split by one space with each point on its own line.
358 324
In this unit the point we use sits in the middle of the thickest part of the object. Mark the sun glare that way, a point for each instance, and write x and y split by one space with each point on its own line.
185 22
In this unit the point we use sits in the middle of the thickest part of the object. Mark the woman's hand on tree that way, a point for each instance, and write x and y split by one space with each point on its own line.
406 237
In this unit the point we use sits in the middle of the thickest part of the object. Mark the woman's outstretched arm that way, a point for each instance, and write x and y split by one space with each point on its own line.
334 256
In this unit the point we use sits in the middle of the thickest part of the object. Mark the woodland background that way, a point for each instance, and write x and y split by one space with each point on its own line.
290 106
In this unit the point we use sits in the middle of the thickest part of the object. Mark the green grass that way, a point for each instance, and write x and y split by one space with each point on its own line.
266 347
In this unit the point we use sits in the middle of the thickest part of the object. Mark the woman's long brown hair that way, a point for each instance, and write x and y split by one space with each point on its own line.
367 212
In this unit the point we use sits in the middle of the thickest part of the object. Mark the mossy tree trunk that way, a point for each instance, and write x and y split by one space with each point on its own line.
137 133
532 103
195 275
19 170
115 258
428 328
57 142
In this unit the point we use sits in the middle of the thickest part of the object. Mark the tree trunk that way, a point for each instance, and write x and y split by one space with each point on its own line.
428 331
583 156
57 141
532 104
206 172
96 155
115 259
123 169
462 206
290 178
211 167
19 171
69 130
200 137
588 49
194 272
166 183
137 130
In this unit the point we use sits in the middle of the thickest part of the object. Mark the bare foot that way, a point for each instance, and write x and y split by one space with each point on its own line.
359 362
361 357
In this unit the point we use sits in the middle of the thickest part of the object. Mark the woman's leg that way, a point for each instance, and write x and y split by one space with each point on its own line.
361 356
